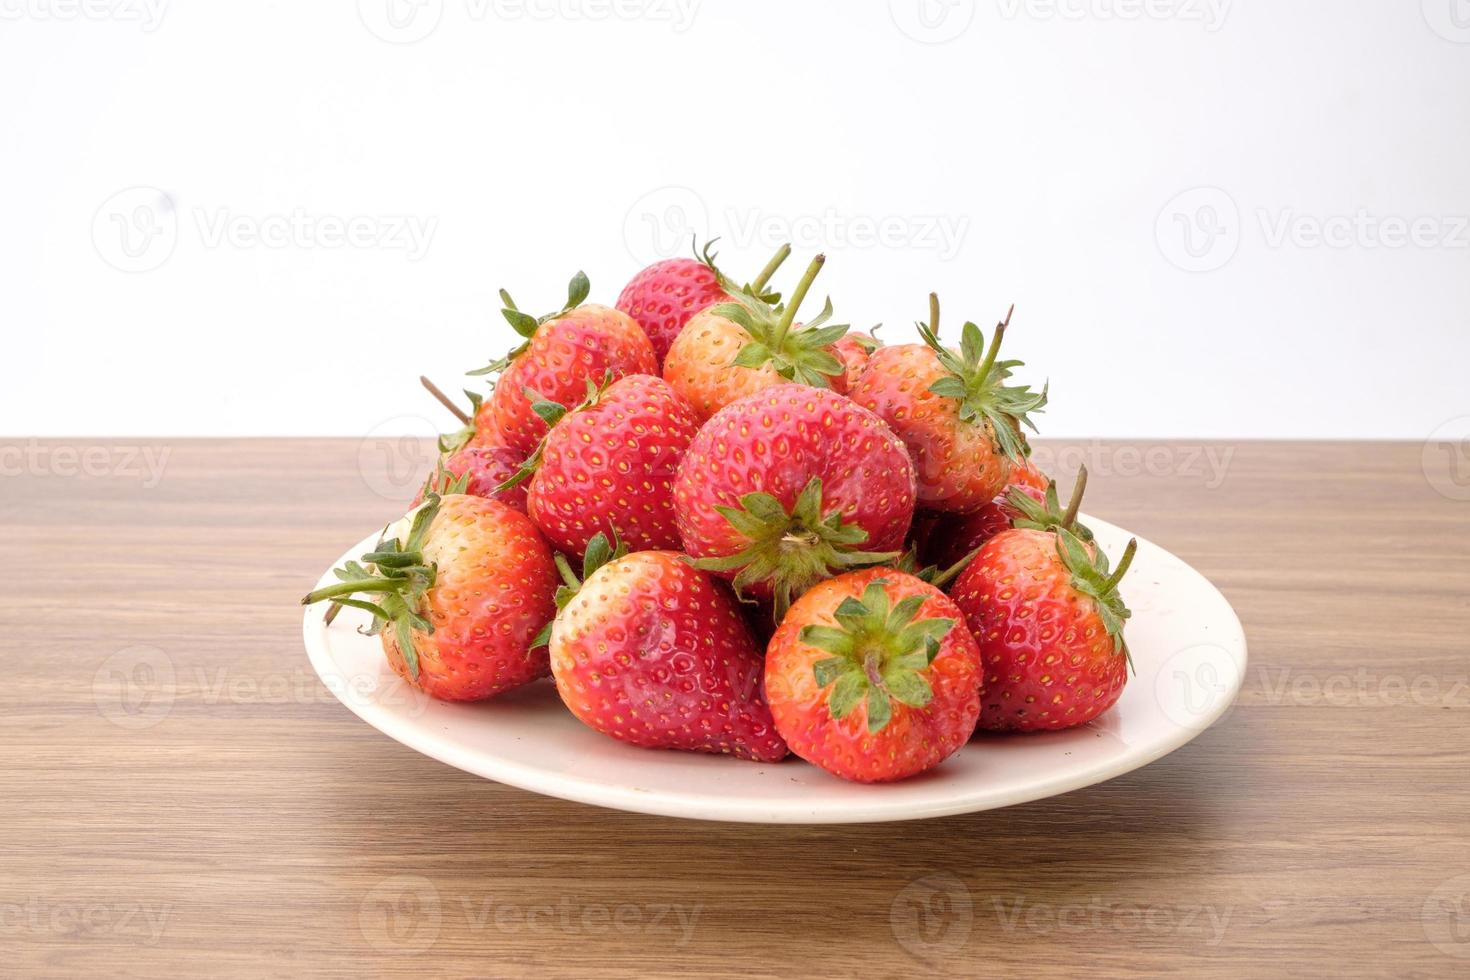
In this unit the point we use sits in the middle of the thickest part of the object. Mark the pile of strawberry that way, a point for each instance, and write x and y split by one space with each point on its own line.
722 530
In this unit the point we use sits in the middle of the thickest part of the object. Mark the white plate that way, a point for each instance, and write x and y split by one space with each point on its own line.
1188 652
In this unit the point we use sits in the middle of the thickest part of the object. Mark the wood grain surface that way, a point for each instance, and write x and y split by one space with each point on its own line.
182 797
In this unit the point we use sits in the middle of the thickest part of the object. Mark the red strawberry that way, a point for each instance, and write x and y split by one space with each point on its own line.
458 591
655 653
953 410
735 349
781 489
948 538
1026 474
480 471
1045 609
853 350
608 466
953 536
472 461
562 352
873 676
665 295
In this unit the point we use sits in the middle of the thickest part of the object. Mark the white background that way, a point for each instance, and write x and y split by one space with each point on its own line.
1042 153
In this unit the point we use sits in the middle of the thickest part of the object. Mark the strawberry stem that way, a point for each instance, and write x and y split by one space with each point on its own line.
1123 563
346 588
567 575
770 269
934 314
995 339
1069 517
444 399
802 287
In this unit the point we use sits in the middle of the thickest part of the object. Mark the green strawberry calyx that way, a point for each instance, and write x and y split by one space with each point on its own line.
396 575
1047 514
797 355
757 287
600 551
976 378
526 325
1092 577
880 654
443 483
792 550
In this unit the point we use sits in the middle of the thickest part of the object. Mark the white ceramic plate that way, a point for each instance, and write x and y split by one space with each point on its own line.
1188 653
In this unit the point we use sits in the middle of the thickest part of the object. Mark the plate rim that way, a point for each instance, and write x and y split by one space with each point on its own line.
581 789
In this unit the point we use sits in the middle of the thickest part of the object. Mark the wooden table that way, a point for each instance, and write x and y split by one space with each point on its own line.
181 796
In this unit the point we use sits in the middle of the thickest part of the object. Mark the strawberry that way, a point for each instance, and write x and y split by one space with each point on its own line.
665 295
780 489
472 461
853 350
735 349
653 652
873 676
1045 609
480 471
953 410
562 352
1026 474
951 537
458 590
608 466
